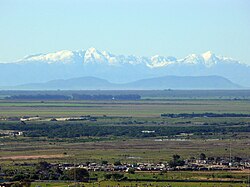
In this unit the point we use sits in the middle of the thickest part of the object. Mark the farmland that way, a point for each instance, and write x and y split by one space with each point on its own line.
144 108
131 131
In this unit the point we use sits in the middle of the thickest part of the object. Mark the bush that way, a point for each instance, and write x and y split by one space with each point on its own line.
78 173
104 162
131 171
117 163
176 161
114 176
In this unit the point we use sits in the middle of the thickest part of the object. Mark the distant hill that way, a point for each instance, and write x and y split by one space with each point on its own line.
184 82
91 83
159 83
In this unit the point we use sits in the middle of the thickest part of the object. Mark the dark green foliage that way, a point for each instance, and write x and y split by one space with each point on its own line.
22 184
74 97
104 162
78 174
106 97
39 97
19 177
117 163
131 171
200 115
176 161
168 93
43 165
52 130
114 176
202 156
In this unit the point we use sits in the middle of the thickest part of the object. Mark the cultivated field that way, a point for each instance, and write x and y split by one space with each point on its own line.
79 131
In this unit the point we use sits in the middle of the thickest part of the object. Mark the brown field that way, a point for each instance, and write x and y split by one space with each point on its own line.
124 149
26 157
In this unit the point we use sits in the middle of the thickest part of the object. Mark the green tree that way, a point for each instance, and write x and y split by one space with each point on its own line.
16 185
78 174
117 163
19 177
117 176
202 156
43 166
176 157
23 184
131 171
104 162
176 161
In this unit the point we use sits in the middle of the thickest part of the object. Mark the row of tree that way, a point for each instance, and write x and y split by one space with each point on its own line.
74 97
70 130
106 97
210 115
45 171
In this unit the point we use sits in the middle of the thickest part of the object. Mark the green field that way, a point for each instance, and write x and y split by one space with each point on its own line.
220 134
143 108
159 184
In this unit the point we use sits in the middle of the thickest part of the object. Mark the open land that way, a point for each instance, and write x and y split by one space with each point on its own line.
129 131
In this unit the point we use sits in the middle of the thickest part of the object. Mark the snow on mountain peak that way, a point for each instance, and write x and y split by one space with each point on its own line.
93 56
161 61
210 59
64 56
112 59
192 59
92 50
207 55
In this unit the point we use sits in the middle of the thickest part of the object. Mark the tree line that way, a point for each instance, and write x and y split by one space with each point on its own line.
74 97
69 130
209 115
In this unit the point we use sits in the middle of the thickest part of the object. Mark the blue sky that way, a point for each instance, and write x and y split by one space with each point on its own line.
139 27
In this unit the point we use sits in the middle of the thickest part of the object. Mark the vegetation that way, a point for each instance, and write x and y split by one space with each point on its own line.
176 161
79 130
174 127
74 97
79 174
207 115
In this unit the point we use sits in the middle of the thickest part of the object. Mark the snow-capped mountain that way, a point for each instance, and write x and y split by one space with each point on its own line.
92 55
67 64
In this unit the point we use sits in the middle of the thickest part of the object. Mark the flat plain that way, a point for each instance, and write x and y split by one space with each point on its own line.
224 134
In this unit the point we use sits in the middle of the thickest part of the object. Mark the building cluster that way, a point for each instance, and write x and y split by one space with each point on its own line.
10 133
194 165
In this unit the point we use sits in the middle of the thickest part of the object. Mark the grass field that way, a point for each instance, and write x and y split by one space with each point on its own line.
137 184
112 148
127 149
124 150
143 108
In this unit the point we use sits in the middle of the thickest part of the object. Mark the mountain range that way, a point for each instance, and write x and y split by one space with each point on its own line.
159 83
121 69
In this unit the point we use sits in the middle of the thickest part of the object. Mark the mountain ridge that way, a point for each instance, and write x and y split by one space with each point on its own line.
157 83
94 55
67 64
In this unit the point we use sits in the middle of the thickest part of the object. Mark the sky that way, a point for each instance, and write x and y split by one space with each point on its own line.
130 27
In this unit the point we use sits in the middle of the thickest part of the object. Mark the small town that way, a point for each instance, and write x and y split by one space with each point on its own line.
115 171
175 165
